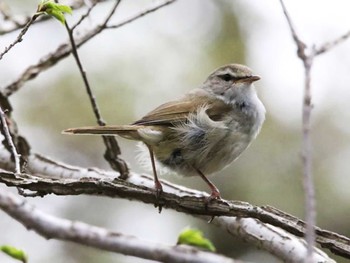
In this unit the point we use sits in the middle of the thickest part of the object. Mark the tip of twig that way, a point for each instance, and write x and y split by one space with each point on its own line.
68 131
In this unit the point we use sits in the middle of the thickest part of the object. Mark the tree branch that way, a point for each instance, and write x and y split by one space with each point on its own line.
5 131
61 179
141 14
329 45
53 227
65 49
272 239
309 189
113 152
20 22
19 38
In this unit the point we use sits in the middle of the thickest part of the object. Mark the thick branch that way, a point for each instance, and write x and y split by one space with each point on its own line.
275 240
53 227
61 179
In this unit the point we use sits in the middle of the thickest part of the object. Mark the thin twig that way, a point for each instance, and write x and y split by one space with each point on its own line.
7 135
93 102
82 18
7 15
310 202
329 45
20 35
301 47
307 59
112 148
63 51
84 77
22 21
141 14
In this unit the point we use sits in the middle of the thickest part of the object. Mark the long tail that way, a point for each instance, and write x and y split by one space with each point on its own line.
126 131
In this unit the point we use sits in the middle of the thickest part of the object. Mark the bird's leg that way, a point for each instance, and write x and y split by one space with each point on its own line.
158 185
215 194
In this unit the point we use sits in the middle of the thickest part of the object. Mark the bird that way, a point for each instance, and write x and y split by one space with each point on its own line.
201 132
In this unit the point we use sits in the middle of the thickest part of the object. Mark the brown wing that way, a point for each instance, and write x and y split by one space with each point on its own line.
177 111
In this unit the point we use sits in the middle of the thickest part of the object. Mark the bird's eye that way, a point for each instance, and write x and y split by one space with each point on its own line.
226 77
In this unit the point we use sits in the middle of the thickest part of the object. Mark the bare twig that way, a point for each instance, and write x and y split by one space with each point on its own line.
74 51
113 151
20 143
82 18
18 23
329 45
20 35
307 59
310 203
63 51
7 135
300 44
53 227
309 189
141 14
7 16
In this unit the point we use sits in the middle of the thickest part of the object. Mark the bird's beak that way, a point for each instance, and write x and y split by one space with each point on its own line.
252 78
249 79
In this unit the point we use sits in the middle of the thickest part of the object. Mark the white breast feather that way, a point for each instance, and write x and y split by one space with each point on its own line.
150 136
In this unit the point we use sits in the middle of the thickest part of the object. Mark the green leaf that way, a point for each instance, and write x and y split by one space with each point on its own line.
14 253
194 237
53 9
58 15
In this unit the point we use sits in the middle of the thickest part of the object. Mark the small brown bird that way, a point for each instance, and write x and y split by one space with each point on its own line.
202 132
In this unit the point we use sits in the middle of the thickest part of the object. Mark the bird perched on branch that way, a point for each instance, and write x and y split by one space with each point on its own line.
202 132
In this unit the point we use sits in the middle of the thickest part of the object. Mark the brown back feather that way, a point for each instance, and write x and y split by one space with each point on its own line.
173 112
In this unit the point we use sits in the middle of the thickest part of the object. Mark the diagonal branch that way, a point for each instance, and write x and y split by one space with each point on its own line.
53 227
19 38
20 22
112 154
65 49
141 14
276 241
5 131
329 45
301 47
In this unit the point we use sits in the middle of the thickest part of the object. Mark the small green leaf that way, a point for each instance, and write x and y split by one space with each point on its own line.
58 15
194 237
51 8
14 253
65 9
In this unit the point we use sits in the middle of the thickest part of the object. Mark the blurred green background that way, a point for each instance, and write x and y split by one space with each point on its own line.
157 58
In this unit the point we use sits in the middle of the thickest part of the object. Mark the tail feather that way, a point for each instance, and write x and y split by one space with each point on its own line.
126 131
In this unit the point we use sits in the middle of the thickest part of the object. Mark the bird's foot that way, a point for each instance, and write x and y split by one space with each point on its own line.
159 191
